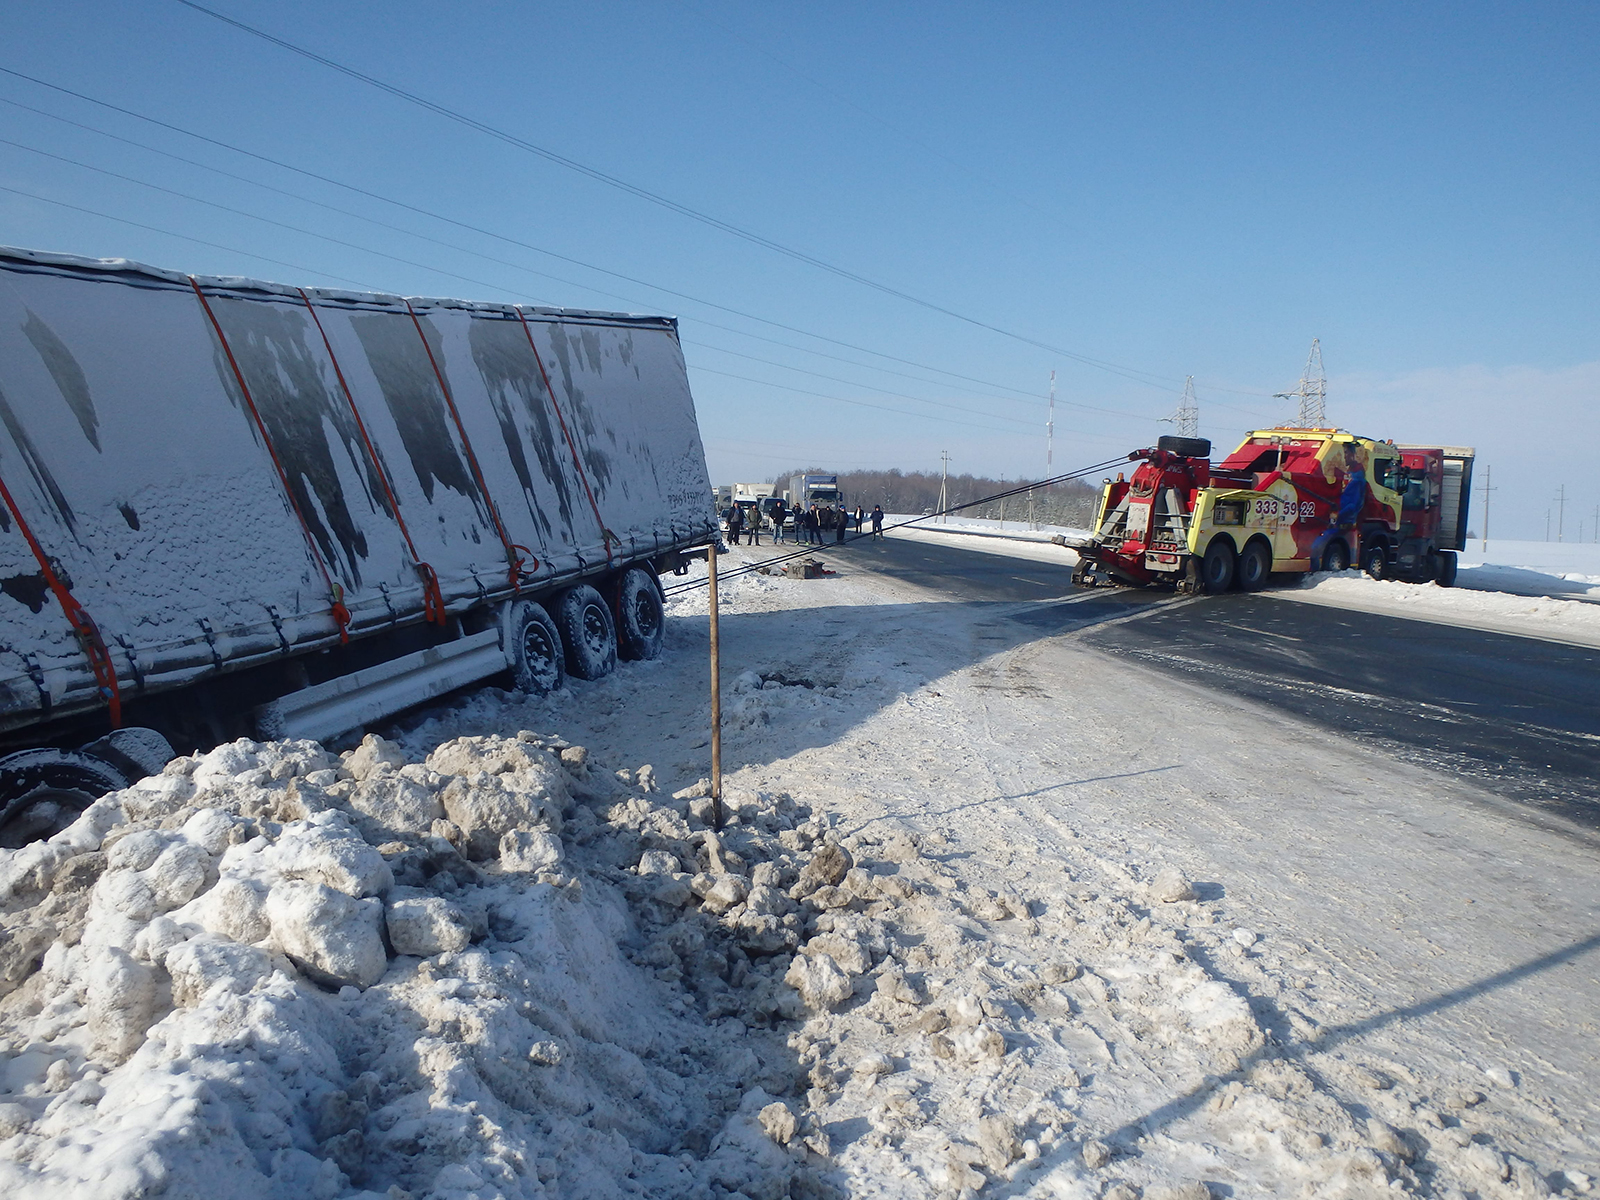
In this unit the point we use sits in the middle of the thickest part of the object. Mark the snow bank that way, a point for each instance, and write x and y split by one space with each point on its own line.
1576 621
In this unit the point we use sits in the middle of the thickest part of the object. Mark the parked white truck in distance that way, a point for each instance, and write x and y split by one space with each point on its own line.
806 490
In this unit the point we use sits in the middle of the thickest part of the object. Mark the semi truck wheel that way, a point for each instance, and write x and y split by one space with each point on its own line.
534 644
1447 568
643 624
1336 556
1374 561
1255 566
587 633
1216 569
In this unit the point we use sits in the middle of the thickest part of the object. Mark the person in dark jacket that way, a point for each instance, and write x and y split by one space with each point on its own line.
843 526
735 524
877 521
860 516
752 525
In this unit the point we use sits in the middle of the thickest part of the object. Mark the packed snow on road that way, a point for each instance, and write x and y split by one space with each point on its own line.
991 913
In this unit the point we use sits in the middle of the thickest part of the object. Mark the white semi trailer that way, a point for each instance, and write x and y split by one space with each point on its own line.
233 507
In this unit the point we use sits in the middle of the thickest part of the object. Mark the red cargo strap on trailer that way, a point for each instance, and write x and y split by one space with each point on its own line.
605 534
340 614
512 558
432 597
88 633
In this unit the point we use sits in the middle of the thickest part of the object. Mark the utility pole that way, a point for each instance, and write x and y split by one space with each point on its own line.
1312 392
1561 510
1050 432
1488 474
1186 421
1547 524
944 493
1597 522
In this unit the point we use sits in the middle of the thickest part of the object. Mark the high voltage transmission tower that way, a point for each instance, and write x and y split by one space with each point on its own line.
1312 392
1186 421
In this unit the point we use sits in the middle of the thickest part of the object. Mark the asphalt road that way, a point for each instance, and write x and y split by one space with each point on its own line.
1517 716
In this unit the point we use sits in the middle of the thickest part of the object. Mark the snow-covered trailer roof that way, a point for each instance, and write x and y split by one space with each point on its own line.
217 469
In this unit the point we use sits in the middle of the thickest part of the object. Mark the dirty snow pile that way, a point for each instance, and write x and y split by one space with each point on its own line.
272 971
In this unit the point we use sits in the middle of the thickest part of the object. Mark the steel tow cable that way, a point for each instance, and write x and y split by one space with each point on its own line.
748 568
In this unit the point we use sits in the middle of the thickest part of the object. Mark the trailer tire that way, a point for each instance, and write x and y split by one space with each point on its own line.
642 620
1217 567
534 645
42 791
1375 560
587 633
1447 569
1336 556
1255 567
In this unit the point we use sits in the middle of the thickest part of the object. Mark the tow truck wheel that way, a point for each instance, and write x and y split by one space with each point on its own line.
1216 570
1255 565
1336 557
1374 561
1447 569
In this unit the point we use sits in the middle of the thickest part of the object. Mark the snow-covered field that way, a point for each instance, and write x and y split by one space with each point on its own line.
993 915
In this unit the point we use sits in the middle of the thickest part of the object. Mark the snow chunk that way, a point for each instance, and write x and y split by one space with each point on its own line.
374 755
821 982
198 965
1171 886
332 937
326 850
530 850
425 925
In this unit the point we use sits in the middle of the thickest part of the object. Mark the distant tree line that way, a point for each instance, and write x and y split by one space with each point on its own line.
912 491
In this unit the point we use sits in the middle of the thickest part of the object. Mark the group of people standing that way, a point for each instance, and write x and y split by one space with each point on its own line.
809 526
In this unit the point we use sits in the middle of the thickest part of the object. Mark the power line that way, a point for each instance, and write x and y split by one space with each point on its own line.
369 287
466 278
1148 378
187 237
356 189
825 396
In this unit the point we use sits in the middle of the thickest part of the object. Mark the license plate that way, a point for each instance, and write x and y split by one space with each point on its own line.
1138 519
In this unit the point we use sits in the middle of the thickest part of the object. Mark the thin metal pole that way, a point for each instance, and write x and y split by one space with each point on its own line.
716 697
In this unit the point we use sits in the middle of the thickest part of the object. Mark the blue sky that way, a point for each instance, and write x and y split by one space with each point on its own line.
1172 190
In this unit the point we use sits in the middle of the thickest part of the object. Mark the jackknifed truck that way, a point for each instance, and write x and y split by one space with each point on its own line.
241 508
1287 500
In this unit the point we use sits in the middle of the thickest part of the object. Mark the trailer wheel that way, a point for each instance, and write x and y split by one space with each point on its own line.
587 633
1255 566
1447 569
1216 569
643 622
43 791
534 644
1375 560
1336 556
